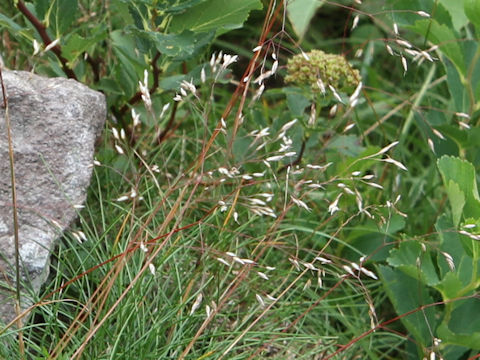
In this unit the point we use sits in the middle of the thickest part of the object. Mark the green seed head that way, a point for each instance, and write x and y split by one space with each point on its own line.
331 69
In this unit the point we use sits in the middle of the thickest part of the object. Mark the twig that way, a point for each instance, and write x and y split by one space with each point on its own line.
42 31
15 216
165 131
95 65
297 160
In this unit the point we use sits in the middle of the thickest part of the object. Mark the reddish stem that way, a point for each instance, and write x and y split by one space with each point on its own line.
42 31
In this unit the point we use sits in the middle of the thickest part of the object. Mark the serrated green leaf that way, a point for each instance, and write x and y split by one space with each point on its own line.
463 173
413 261
214 15
300 14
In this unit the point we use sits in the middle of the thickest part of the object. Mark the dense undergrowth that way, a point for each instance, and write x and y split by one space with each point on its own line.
256 198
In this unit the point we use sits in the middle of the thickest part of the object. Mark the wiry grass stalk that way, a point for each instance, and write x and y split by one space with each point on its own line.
18 279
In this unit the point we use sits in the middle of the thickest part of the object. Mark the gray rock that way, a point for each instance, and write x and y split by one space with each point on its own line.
55 123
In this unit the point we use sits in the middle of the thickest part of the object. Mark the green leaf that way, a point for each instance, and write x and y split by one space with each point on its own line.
124 44
450 286
130 67
413 261
463 173
178 6
109 86
449 243
181 46
214 15
472 10
405 14
9 23
443 36
462 329
369 238
76 45
296 100
459 248
61 15
167 6
457 201
407 294
461 316
300 14
171 82
455 8
456 88
241 148
41 8
348 145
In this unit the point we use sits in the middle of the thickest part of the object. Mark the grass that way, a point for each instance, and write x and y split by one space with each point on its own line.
129 289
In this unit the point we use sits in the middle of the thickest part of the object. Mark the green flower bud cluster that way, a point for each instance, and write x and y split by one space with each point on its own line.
331 69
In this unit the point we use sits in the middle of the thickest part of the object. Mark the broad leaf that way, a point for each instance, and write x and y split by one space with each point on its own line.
455 8
178 6
456 87
179 46
413 261
296 100
463 173
443 36
218 15
460 249
300 14
457 201
472 10
462 328
9 23
61 15
76 45
348 145
407 294
184 45
129 69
